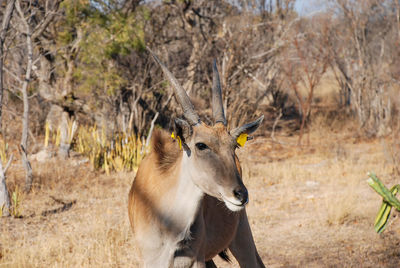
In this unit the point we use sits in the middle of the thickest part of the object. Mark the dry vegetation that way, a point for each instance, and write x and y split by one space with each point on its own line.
310 206
328 85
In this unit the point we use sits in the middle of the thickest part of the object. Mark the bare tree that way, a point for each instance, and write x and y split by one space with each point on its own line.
364 43
26 30
4 197
27 50
4 28
249 55
305 64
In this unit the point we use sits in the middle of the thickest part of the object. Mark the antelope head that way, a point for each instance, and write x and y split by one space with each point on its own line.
210 150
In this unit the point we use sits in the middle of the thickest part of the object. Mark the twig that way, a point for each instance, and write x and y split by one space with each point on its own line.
8 164
151 130
12 74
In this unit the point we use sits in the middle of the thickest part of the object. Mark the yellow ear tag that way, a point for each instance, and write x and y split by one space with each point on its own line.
241 140
179 140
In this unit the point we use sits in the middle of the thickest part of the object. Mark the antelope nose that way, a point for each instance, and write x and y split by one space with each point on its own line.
241 195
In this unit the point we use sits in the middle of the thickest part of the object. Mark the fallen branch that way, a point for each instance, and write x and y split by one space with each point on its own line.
65 206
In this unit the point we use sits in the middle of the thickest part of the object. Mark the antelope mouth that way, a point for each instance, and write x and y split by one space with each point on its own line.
234 205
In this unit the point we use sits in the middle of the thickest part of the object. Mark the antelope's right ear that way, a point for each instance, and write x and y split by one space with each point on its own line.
183 129
247 128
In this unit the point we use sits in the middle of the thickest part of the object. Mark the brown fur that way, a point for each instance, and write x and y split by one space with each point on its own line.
150 180
165 149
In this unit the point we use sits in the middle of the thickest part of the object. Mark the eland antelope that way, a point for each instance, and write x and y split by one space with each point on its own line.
187 202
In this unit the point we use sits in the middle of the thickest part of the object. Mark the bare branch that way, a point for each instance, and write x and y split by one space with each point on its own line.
8 164
12 74
48 18
151 130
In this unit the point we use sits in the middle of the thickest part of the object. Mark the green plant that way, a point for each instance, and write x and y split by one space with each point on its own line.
3 151
72 126
1 210
46 134
122 152
16 203
389 201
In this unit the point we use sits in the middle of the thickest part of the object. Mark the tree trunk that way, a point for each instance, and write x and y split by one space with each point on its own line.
24 91
4 29
4 197
192 25
65 144
5 203
193 62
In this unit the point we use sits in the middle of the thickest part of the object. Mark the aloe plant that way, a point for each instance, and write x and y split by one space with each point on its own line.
389 201
122 152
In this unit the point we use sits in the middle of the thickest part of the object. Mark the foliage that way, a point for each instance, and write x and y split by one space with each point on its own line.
122 152
16 203
101 31
3 151
389 200
55 135
46 134
90 60
16 200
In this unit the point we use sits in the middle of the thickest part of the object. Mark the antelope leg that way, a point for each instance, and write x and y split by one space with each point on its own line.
242 245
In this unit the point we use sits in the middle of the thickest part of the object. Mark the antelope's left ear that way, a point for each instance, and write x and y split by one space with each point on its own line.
247 128
183 129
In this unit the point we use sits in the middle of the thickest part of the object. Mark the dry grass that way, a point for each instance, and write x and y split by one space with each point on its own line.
93 232
314 208
310 207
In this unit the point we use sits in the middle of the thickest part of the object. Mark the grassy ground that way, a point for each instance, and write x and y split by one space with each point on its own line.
309 207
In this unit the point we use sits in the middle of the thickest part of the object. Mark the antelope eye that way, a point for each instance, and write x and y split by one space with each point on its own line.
201 146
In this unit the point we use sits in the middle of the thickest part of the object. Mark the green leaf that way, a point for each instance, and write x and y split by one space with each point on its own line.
380 188
389 200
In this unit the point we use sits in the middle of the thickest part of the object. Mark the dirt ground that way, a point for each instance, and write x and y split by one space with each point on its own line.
310 206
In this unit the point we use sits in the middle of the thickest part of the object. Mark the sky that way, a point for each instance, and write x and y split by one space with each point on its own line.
307 7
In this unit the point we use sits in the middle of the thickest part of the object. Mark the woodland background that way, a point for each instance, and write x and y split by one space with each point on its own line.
80 94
